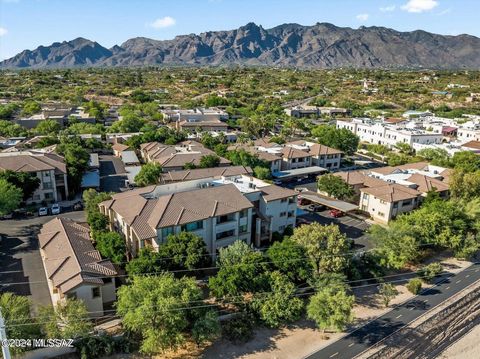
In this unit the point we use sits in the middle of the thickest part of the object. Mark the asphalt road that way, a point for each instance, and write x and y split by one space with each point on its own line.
20 260
364 337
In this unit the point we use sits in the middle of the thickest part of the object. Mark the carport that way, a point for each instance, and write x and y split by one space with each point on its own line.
299 172
328 201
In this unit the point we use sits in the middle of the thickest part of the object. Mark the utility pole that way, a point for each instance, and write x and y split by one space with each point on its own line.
3 337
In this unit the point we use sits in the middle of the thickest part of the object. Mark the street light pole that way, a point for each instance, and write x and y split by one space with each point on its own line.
3 338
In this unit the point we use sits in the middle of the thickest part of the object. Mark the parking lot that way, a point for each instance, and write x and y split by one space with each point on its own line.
353 227
21 267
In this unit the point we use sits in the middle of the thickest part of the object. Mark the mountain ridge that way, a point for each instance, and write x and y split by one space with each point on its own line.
322 45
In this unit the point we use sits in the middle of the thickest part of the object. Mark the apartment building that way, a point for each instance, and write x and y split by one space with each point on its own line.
176 157
197 114
386 192
74 269
49 168
200 173
220 210
321 155
379 132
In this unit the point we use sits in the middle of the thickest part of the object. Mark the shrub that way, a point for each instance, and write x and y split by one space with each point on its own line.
91 347
430 271
414 285
239 329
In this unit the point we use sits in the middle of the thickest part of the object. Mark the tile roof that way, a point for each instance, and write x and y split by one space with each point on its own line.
472 144
319 149
69 256
188 175
392 192
290 152
120 147
272 193
147 214
426 183
31 161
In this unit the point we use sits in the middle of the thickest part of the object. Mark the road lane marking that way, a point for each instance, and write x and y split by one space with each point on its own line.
468 275
351 345
447 288
412 308
331 356
398 316
477 270
458 281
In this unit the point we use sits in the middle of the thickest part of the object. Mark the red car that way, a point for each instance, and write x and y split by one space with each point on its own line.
335 213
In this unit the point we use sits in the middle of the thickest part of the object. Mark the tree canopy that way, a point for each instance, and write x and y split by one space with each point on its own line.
335 186
10 197
149 174
341 139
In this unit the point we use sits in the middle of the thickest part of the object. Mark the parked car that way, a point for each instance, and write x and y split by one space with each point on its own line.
7 216
55 208
335 213
315 207
43 211
78 206
301 221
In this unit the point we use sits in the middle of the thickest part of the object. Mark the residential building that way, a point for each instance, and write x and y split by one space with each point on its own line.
302 111
196 114
49 168
74 269
200 173
386 192
221 210
176 157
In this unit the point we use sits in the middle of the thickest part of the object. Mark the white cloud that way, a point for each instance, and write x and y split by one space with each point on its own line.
419 6
3 31
163 22
362 17
389 8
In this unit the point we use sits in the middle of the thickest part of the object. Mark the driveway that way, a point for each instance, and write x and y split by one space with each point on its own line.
354 228
21 267
112 173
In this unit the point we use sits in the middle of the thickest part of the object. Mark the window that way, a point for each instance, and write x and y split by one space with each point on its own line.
244 213
226 218
193 226
395 204
95 292
283 214
225 234
167 231
365 196
281 228
407 203
46 174
283 200
48 195
243 228
47 185
107 280
291 214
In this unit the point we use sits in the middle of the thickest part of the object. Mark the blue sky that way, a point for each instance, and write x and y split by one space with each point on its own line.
26 24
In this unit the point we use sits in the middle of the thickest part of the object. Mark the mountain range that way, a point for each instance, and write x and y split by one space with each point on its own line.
322 45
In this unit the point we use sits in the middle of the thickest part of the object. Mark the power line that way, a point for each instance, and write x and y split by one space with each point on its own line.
268 292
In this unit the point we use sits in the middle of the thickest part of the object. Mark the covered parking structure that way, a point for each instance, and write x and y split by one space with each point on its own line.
328 201
289 175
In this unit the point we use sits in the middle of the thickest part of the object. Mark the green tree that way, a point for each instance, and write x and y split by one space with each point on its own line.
47 127
67 319
279 305
335 186
147 262
429 272
341 139
466 161
241 271
10 197
10 129
149 174
209 161
18 320
111 245
387 292
396 245
331 309
289 258
153 307
262 173
184 251
76 159
30 108
326 246
414 285
465 185
27 181
129 123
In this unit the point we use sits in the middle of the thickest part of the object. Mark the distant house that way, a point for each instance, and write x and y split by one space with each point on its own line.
176 157
118 148
73 267
50 168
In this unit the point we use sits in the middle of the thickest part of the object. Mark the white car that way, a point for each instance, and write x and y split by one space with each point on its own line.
55 208
43 211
